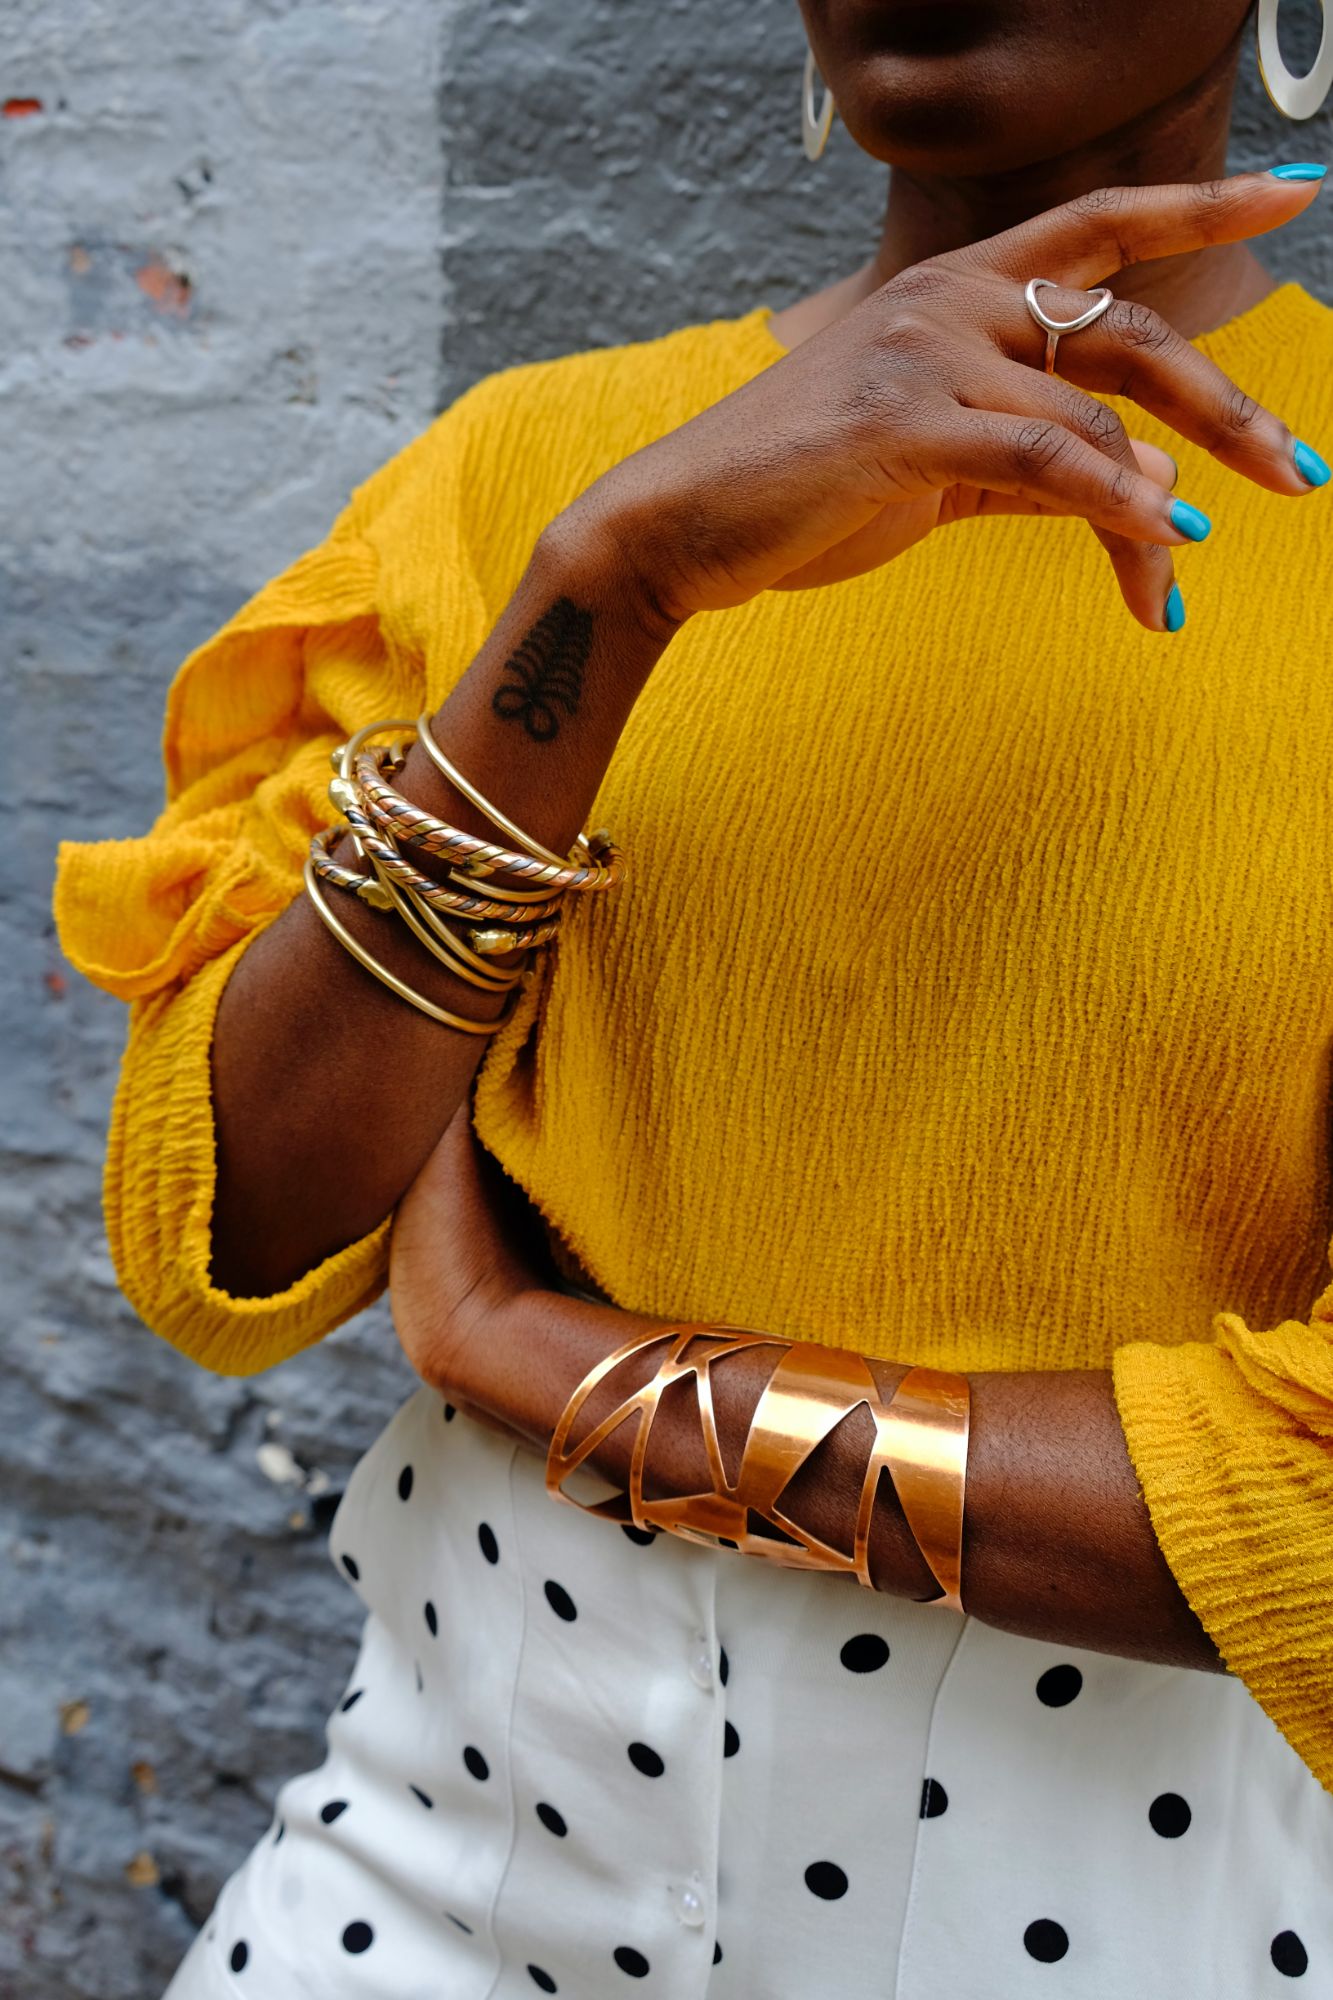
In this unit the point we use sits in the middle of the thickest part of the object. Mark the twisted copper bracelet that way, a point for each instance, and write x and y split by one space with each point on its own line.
604 870
920 1439
383 894
376 891
437 894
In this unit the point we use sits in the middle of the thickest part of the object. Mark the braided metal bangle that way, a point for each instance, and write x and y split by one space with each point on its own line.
487 942
383 894
438 895
605 870
368 887
353 799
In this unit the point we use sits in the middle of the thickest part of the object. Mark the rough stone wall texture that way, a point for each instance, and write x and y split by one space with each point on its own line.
249 247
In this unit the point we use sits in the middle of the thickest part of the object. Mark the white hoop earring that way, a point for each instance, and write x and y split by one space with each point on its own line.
815 126
1294 96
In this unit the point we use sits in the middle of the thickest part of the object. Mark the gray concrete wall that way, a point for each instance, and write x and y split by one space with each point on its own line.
249 247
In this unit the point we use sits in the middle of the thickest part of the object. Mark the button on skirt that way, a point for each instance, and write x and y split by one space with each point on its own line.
573 1758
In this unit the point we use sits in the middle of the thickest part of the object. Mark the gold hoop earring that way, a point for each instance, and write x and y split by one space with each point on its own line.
1294 96
815 125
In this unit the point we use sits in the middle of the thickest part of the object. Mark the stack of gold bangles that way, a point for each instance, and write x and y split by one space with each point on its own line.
493 899
920 1440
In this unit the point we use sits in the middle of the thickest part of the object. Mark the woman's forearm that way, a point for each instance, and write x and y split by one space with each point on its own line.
1057 1546
313 1060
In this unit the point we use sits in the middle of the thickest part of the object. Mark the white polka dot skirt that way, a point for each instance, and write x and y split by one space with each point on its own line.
576 1759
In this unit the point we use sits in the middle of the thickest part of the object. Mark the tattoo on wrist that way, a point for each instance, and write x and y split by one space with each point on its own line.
545 674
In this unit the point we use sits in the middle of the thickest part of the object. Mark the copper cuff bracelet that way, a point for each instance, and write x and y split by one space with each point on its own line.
920 1438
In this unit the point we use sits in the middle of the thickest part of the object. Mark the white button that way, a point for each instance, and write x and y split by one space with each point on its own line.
701 1662
689 1901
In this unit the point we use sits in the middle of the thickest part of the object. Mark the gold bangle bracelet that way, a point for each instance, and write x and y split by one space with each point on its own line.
421 922
396 985
485 973
426 739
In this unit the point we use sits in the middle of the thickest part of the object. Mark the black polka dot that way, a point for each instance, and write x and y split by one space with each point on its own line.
424 1797
405 1483
353 1568
1169 1815
416 1664
640 1535
541 1979
553 1821
333 1810
352 1699
490 1548
717 1952
1045 1940
240 1953
724 1667
631 1961
865 1654
282 1828
561 1602
432 1622
826 1880
731 1741
1289 1954
646 1760
934 1798
448 1413
1057 1687
465 1928
475 1762
358 1937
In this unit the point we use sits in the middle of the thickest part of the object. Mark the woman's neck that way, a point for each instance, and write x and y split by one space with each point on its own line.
1182 140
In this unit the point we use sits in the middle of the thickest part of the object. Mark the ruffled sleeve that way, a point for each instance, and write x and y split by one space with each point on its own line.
1232 1442
162 919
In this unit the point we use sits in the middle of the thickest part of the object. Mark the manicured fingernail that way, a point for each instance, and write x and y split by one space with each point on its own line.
1175 475
1190 521
1299 170
1309 464
1173 611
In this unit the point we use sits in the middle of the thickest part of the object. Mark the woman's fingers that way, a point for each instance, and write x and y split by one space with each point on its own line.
1132 351
1089 239
1144 570
1038 458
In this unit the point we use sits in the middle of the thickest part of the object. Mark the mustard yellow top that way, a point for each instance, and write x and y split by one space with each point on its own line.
970 1000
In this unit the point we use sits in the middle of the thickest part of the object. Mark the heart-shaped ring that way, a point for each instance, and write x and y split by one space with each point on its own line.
1055 327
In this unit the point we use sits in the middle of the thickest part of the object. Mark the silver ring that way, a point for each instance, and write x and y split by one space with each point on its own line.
1055 327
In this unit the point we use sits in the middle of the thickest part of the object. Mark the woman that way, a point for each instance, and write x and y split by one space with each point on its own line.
966 1006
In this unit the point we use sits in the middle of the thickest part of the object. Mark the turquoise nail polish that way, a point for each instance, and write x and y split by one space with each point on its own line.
1309 464
1190 520
1299 170
1173 611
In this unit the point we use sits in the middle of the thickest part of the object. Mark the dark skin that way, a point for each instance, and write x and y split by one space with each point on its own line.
912 397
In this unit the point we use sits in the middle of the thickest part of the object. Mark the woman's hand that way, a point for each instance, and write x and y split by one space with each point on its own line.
928 403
